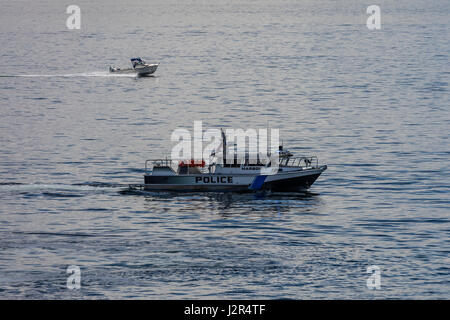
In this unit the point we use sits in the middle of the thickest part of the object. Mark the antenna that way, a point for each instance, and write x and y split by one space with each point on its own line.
224 147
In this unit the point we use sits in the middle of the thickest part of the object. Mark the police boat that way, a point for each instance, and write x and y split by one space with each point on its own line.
139 66
284 173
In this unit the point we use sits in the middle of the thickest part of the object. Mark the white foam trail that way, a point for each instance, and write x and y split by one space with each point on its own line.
74 75
52 187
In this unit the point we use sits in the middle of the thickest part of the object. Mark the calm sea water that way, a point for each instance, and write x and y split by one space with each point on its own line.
373 105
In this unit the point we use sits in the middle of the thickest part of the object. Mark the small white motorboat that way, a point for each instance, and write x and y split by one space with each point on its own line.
143 68
139 66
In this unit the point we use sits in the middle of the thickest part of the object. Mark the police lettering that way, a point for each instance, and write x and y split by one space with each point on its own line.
214 179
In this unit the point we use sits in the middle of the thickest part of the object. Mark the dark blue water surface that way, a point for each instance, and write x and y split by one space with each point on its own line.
373 105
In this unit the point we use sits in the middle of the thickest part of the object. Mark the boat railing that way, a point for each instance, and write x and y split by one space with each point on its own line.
171 163
166 162
302 162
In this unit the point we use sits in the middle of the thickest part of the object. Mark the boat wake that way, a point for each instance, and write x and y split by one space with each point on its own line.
58 190
97 188
73 75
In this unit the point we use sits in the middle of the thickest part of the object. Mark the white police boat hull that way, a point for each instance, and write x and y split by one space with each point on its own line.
293 180
281 172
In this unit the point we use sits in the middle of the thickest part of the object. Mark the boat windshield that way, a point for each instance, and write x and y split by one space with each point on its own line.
137 61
